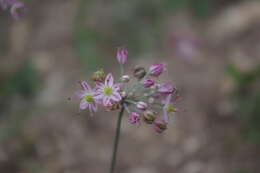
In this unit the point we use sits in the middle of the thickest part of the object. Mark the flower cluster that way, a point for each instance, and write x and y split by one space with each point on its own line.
143 96
16 8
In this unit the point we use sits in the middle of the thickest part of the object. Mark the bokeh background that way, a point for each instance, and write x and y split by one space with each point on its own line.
212 50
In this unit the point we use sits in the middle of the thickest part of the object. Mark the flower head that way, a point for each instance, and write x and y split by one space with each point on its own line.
108 92
134 118
157 69
87 99
122 55
148 82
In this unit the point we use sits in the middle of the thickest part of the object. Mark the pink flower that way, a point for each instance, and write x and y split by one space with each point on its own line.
160 126
141 105
134 118
148 82
157 69
87 99
169 106
166 88
122 55
108 92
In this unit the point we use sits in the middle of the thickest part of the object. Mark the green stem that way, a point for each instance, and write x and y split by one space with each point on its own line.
116 140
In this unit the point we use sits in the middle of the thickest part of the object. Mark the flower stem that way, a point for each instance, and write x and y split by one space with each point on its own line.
116 140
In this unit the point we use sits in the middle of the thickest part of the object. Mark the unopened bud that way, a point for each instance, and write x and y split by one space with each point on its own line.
141 105
139 72
151 100
149 116
160 126
114 106
125 78
98 76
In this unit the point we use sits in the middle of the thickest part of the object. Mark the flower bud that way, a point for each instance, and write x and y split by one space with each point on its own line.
156 69
125 78
134 118
139 72
166 88
114 106
160 126
141 105
148 82
150 100
122 55
98 76
149 116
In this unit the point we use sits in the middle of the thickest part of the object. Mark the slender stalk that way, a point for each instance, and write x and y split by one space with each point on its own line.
116 140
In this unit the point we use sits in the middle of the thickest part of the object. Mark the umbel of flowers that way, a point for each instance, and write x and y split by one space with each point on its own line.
145 99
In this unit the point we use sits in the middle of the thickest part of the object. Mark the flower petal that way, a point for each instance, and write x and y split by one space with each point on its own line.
99 84
80 94
85 86
83 104
94 107
109 80
106 101
116 96
116 87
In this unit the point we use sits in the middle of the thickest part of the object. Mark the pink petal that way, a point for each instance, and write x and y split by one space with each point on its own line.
80 94
106 101
98 95
94 107
83 104
109 80
168 99
116 96
99 84
116 87
85 86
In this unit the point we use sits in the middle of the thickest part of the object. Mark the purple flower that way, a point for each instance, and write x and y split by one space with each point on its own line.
122 55
166 88
87 99
157 69
134 118
160 126
108 92
148 82
17 10
141 105
169 106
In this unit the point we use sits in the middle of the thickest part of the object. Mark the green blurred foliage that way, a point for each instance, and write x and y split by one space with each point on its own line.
136 24
24 82
247 98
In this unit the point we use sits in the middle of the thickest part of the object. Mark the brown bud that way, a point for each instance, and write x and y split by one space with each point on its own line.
98 76
149 116
139 72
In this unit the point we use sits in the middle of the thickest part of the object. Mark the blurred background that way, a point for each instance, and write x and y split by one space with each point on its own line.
212 50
